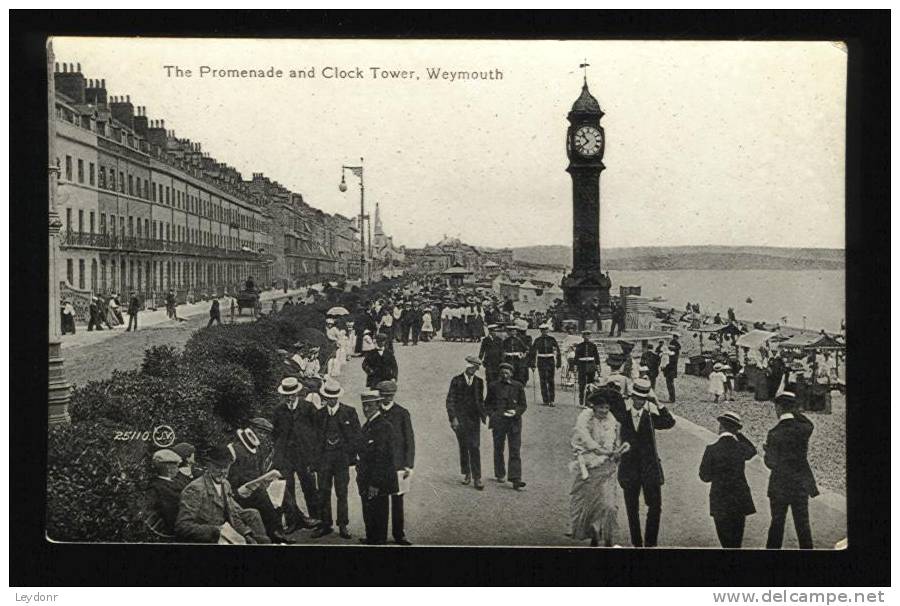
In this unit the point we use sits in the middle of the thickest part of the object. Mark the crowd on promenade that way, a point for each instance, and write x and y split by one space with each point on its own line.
281 473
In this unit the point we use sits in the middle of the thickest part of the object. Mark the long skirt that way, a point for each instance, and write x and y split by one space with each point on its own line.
593 504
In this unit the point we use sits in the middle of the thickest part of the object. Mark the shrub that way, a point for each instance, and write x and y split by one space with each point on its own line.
250 346
161 361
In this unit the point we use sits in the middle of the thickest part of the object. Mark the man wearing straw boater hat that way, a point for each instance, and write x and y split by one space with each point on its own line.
465 409
545 357
338 434
730 501
791 482
640 469
294 437
376 473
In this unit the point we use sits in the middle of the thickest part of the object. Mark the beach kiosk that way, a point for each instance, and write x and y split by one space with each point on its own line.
814 392
456 275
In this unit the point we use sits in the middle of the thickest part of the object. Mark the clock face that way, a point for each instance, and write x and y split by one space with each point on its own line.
588 141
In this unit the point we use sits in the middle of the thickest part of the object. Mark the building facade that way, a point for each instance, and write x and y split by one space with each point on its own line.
143 210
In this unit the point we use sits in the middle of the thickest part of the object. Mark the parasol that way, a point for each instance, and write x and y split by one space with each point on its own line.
338 311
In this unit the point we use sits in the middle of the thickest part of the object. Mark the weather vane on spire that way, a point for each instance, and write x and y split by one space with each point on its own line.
584 66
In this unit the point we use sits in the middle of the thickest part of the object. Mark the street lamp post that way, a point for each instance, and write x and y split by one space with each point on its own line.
58 386
358 171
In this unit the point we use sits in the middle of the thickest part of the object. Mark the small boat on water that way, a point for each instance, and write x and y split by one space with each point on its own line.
658 300
749 300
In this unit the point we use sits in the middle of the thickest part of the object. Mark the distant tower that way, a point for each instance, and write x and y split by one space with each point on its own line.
378 229
585 142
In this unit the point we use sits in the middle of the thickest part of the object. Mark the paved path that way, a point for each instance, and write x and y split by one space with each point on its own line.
440 511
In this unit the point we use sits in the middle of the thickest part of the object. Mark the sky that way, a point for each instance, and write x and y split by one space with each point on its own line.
725 143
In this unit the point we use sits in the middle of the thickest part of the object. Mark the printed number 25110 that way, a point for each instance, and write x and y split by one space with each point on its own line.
132 435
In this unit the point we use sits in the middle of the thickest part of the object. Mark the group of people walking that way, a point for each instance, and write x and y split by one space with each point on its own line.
102 311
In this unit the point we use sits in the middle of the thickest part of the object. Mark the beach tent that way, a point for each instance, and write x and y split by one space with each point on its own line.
755 338
811 341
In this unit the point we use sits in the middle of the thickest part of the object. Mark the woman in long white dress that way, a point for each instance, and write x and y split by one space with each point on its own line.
594 497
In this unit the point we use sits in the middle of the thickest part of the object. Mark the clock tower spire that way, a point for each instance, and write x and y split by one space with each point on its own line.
585 143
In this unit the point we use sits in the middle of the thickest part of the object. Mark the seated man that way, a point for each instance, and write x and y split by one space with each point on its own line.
165 491
207 508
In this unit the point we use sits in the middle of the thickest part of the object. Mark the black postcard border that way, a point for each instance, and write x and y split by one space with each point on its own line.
866 562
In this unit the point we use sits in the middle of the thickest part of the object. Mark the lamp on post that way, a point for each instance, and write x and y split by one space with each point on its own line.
358 171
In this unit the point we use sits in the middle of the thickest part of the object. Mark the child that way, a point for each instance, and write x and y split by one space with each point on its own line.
728 369
716 382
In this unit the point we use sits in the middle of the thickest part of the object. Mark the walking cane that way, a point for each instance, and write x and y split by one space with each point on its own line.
533 388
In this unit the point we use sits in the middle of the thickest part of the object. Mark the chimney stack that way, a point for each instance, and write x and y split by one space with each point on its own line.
70 83
123 111
95 93
140 122
156 134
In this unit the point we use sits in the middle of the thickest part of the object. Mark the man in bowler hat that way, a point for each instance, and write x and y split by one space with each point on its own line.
399 418
791 482
376 471
730 501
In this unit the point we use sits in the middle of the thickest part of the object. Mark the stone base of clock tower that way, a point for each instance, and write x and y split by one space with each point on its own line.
581 289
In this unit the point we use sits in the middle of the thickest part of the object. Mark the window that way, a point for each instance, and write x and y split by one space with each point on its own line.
69 222
94 275
146 228
70 273
130 226
121 182
91 174
81 221
68 168
112 180
130 185
112 223
101 181
81 274
153 192
153 228
80 170
92 222
167 194
137 186
122 227
102 225
168 232
138 228
103 274
146 189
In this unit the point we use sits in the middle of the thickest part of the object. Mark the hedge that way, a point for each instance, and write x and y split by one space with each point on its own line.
96 479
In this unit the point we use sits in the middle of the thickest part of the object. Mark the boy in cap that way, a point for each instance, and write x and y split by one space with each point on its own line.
545 357
730 501
505 404
165 491
791 482
405 442
376 471
466 412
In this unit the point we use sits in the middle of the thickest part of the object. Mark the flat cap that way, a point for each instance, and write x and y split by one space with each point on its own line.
166 456
389 386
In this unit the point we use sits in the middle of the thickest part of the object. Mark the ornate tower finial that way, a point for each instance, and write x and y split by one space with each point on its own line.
584 66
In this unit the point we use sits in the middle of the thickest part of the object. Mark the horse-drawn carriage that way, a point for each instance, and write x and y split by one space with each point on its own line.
249 299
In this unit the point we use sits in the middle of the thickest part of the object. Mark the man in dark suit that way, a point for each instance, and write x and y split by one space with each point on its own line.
791 482
338 434
465 409
670 372
505 404
651 359
380 363
515 352
587 360
491 354
376 471
294 436
208 503
722 465
134 306
94 318
640 468
399 418
546 358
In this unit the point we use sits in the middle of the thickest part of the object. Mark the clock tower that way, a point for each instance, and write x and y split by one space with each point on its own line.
585 142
